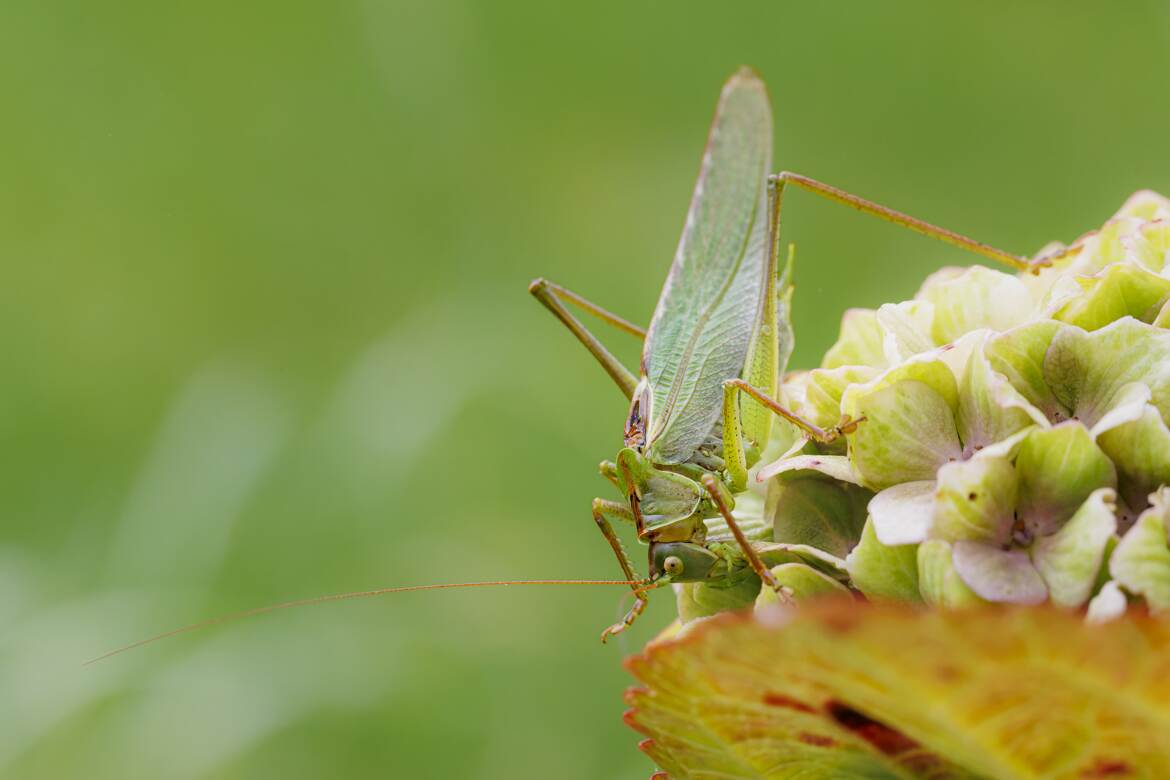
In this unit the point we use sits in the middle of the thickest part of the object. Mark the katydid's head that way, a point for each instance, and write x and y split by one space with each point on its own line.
681 562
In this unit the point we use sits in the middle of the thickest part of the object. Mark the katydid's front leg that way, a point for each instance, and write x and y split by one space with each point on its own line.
733 452
602 511
551 294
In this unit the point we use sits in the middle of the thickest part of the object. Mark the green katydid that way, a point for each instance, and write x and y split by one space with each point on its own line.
720 331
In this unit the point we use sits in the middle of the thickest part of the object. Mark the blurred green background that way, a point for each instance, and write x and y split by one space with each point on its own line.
265 334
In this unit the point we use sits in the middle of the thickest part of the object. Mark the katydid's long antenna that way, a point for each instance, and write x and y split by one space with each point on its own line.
357 594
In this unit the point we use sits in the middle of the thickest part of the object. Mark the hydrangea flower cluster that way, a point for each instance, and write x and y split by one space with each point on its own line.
1014 444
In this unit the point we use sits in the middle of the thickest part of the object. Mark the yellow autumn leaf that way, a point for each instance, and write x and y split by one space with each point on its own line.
846 689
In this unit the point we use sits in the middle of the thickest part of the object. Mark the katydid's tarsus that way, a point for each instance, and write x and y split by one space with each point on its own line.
720 332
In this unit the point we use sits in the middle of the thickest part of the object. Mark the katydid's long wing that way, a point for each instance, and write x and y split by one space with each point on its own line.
700 333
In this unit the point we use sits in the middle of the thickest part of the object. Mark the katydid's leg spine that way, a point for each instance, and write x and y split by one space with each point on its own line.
601 510
917 225
718 495
547 294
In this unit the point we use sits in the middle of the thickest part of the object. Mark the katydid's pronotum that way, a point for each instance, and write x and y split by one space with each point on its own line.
720 332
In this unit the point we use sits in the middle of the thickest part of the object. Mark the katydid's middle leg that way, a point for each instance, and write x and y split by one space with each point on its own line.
602 511
733 452
551 295
719 498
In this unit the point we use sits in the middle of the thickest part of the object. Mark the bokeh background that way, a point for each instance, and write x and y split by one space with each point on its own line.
265 334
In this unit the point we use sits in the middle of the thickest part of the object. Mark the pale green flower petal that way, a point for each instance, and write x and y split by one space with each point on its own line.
999 575
929 369
801 582
1058 468
976 297
1108 604
805 507
1141 452
1163 318
1128 406
909 427
906 329
902 514
975 500
938 582
1087 371
1018 354
825 563
836 467
860 342
823 390
1106 246
883 571
1120 290
1141 561
1145 205
908 433
1069 560
990 408
1149 247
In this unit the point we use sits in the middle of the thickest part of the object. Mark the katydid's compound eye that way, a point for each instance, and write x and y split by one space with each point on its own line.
673 565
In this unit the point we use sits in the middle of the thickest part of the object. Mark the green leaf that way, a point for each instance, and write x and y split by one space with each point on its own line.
1070 559
976 297
805 507
883 571
841 689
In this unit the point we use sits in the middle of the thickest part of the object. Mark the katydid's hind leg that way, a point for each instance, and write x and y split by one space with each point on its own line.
602 511
550 295
733 440
911 223
719 497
